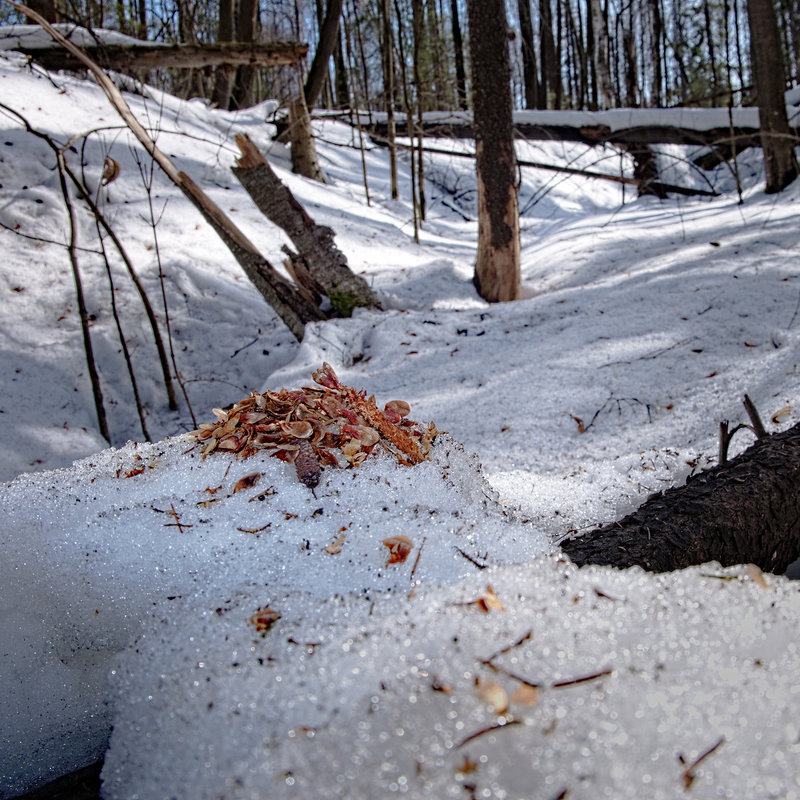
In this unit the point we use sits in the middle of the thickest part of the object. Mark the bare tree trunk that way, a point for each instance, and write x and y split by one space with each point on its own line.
304 152
387 47
776 139
245 32
224 74
458 46
328 38
605 89
325 263
443 94
528 54
497 268
551 78
409 121
745 511
657 35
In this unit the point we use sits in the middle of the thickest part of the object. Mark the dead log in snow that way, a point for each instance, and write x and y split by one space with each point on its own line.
324 262
126 58
744 511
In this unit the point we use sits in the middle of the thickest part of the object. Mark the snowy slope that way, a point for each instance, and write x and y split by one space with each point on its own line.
129 580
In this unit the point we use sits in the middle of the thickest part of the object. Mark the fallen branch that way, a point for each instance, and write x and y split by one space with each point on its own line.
326 265
182 56
292 308
654 186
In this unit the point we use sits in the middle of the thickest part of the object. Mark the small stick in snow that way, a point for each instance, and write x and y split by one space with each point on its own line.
688 773
490 729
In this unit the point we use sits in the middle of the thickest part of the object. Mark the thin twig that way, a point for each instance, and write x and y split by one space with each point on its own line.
688 773
147 182
752 412
522 639
471 559
97 392
491 729
114 310
583 679
148 308
44 240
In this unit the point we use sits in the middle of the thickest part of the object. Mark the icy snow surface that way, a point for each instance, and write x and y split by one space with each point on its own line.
129 581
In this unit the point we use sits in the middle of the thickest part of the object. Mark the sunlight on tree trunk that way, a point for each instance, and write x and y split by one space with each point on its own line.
776 140
497 268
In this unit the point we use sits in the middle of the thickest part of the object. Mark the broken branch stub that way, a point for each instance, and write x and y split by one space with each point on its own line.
326 264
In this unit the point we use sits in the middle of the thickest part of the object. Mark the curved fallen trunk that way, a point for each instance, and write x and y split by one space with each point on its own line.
744 511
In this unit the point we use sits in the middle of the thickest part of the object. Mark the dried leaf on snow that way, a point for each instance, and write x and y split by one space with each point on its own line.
336 547
493 694
757 576
264 619
399 548
489 602
247 482
525 695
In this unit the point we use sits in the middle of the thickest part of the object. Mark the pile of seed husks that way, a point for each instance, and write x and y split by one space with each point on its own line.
305 426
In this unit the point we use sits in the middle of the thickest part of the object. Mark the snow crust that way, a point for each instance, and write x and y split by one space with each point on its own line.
130 578
33 36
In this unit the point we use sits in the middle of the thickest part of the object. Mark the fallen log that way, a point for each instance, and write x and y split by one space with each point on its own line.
318 265
744 511
131 57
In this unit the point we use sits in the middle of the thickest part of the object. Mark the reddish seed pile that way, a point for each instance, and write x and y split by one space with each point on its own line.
304 427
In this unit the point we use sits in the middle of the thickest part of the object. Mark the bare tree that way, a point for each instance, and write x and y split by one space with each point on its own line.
497 268
328 39
767 55
528 54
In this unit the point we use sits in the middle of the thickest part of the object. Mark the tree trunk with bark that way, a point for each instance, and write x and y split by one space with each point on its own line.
242 95
458 46
301 138
322 260
497 267
530 77
744 511
224 73
776 140
328 39
605 88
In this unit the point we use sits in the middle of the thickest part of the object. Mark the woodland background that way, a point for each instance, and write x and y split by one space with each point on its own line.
566 54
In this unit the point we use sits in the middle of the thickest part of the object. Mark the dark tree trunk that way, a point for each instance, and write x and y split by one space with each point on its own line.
657 36
551 79
528 54
328 38
458 46
745 511
497 267
768 72
223 74
340 73
645 171
47 8
245 32
387 52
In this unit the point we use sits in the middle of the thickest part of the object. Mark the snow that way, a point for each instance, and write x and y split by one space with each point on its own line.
33 36
130 578
618 119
